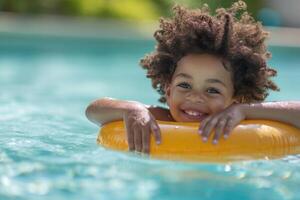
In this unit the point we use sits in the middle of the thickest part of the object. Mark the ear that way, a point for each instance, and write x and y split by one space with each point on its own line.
167 92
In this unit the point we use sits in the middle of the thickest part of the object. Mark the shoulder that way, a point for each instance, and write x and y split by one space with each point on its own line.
160 113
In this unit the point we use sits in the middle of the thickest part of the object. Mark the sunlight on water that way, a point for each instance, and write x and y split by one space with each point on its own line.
48 148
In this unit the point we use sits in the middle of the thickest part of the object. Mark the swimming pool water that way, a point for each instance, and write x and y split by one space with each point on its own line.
48 148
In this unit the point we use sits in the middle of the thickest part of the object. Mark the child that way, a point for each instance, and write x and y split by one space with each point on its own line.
208 69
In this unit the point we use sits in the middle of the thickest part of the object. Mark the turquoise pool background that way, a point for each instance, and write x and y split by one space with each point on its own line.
48 148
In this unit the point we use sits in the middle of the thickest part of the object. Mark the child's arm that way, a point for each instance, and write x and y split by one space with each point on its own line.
286 111
139 120
107 110
225 121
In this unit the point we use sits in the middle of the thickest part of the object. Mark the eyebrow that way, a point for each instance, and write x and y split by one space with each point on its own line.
211 80
183 75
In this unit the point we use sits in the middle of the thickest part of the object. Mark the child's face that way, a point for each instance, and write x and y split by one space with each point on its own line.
200 86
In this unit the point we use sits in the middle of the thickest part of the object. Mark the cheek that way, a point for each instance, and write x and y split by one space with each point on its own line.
217 105
176 98
174 101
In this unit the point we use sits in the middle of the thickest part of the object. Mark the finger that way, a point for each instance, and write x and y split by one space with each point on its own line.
219 130
228 128
130 136
146 140
203 124
208 129
156 131
137 140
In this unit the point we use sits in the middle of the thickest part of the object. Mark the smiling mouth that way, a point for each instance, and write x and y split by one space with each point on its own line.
194 115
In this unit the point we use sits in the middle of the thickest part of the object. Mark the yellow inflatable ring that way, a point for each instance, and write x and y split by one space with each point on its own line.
252 139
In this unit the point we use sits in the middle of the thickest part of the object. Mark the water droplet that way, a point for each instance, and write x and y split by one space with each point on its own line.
286 175
241 175
227 168
267 158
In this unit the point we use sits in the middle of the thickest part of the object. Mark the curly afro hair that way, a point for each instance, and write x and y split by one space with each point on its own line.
231 34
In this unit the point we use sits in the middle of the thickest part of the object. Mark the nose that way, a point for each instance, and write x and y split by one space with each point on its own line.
195 97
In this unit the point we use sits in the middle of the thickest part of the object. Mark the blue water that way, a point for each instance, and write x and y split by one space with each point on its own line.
48 148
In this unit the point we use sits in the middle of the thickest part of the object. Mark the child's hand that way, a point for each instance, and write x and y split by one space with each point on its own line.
139 124
223 122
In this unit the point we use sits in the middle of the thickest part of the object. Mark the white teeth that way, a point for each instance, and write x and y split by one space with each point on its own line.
193 113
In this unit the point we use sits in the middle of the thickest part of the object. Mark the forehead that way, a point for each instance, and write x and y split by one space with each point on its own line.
202 64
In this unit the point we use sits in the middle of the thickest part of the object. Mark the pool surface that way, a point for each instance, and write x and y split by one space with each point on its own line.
48 148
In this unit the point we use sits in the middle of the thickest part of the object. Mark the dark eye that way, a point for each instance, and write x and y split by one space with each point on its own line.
184 85
213 91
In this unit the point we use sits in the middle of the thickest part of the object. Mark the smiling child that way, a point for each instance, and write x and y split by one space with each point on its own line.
210 69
